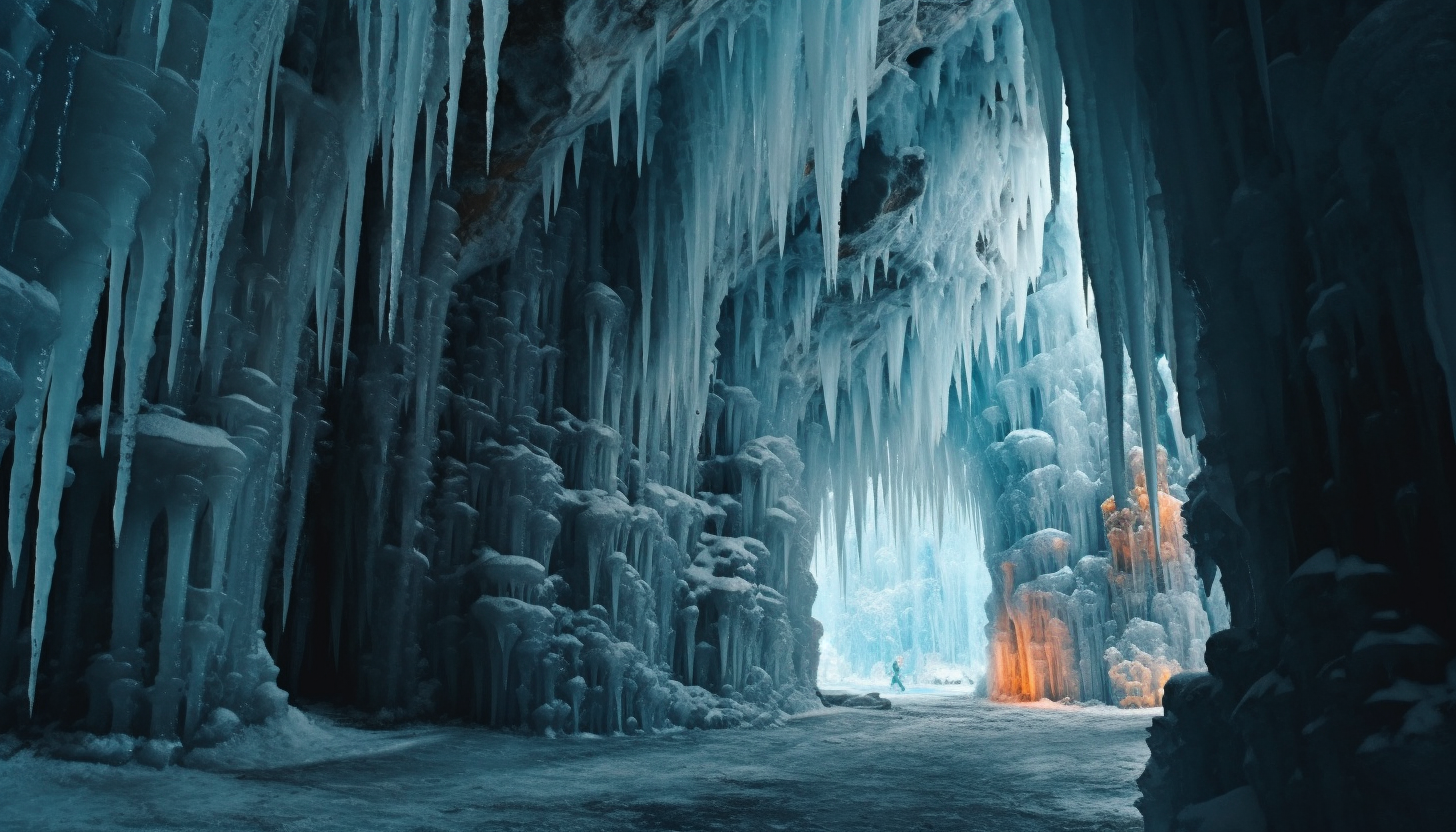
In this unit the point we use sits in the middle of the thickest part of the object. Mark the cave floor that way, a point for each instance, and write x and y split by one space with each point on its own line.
933 762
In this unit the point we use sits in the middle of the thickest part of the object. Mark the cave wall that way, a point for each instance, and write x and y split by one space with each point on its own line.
1265 192
358 391
284 449
1304 153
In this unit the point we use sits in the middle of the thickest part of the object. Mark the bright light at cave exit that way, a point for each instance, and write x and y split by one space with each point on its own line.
919 595
1095 608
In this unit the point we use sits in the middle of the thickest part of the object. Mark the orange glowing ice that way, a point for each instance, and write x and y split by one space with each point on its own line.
1035 647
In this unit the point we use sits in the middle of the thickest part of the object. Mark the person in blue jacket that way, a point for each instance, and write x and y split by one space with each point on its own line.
895 675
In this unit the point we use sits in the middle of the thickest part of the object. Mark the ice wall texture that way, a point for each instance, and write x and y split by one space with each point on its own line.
1094 598
264 434
191 204
1268 155
175 186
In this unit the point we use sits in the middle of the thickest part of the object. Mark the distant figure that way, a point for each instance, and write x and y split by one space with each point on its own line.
895 675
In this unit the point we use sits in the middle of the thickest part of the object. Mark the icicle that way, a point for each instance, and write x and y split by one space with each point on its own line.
358 145
578 154
113 333
264 141
547 186
416 43
183 276
614 114
494 17
23 454
895 328
243 40
76 280
782 81
659 32
459 37
834 89
864 66
831 358
558 174
639 61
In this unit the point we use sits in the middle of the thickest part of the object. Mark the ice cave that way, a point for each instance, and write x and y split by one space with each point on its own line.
728 415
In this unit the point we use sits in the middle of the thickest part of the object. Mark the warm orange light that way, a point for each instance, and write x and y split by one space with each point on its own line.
1032 655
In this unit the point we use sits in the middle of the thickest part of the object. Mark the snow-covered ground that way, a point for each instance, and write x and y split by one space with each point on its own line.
936 761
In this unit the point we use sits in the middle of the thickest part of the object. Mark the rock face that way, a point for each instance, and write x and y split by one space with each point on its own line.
1298 186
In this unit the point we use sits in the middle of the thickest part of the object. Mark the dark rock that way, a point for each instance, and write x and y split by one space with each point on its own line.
869 700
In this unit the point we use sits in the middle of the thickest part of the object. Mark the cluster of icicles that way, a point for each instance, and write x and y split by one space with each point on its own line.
124 106
213 193
881 353
207 177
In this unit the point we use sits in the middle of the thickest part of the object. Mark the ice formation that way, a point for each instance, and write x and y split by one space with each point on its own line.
1020 434
1092 599
531 497
925 606
323 371
512 361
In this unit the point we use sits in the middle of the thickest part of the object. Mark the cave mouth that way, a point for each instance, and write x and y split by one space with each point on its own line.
580 370
905 591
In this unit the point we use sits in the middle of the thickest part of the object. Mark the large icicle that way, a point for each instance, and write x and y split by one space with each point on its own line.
459 37
494 16
243 42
